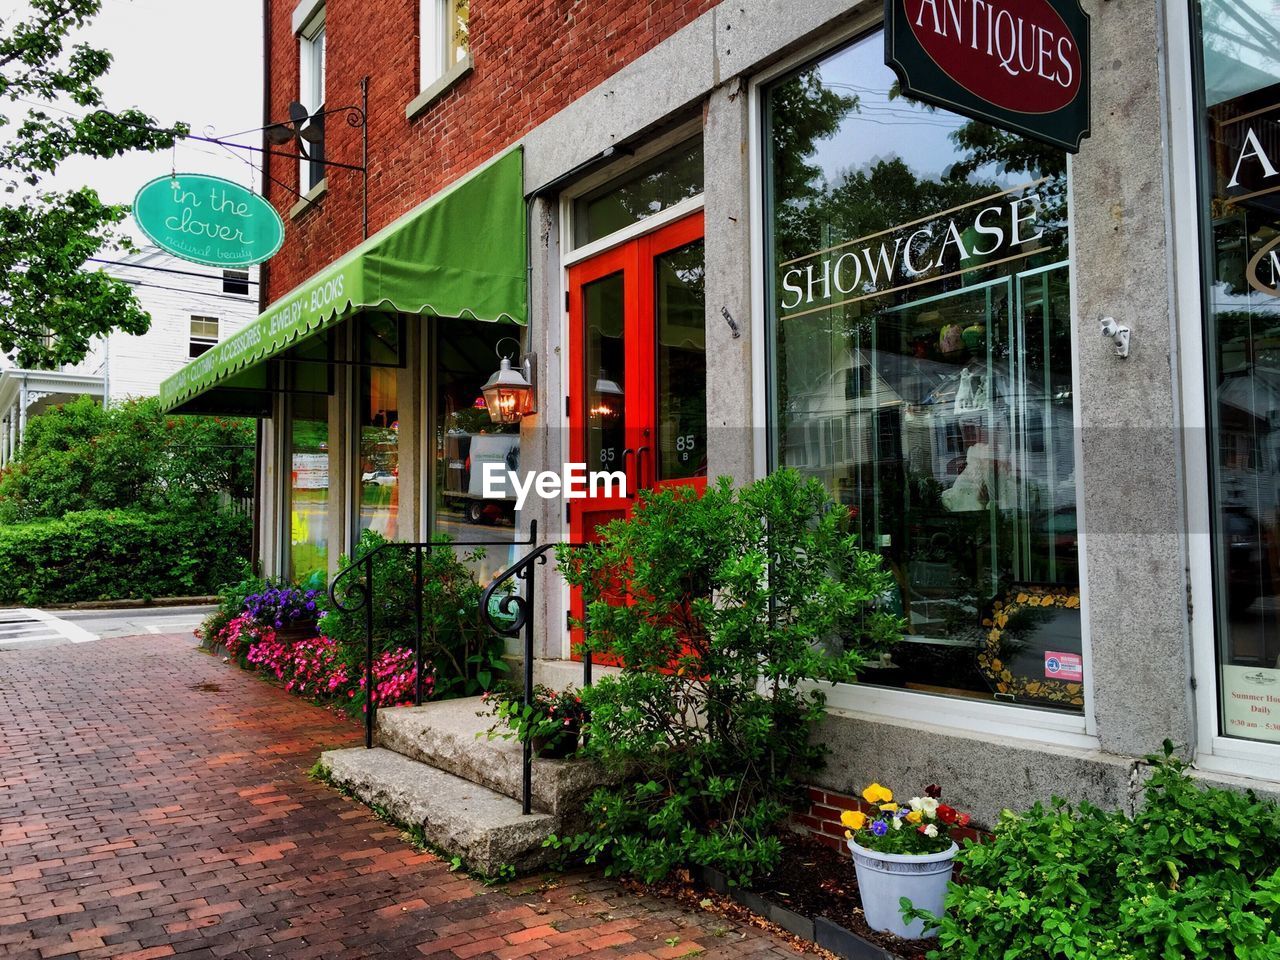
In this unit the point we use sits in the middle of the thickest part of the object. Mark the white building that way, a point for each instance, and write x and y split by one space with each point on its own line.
192 307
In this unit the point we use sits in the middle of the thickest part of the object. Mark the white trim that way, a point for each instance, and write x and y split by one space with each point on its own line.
305 15
629 233
1034 725
1214 752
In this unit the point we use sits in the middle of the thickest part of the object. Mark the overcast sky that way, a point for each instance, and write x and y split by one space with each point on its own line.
198 61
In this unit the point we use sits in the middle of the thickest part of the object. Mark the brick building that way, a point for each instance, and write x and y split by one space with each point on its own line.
724 244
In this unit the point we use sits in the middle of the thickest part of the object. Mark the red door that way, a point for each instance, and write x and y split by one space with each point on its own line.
637 371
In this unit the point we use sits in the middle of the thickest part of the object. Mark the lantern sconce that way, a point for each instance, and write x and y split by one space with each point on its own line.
510 393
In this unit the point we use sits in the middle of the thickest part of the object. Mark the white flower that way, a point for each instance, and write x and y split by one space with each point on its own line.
930 830
916 804
929 807
897 824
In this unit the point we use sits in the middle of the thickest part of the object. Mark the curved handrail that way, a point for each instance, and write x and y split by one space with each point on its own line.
521 569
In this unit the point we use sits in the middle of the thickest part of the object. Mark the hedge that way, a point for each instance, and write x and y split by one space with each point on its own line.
120 554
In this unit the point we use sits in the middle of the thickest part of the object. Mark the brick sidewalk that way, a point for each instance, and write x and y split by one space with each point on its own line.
154 802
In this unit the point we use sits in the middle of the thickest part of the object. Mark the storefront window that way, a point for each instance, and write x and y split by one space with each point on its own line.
467 440
308 485
379 459
921 317
1240 154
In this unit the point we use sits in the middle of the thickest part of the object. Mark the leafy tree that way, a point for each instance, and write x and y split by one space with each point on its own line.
50 307
131 456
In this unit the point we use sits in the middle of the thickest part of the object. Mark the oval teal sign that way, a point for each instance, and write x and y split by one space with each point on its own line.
208 220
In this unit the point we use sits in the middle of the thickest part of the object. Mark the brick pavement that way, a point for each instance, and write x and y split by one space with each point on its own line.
155 802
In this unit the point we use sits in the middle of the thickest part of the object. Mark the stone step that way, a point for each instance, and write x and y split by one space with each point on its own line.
484 828
449 735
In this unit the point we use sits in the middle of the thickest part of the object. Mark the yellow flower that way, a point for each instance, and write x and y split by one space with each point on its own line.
877 794
915 816
853 819
889 807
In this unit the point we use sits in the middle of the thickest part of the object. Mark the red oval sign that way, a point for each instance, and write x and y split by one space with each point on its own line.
1016 54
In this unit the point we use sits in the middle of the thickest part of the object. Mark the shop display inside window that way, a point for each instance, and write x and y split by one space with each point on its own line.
923 370
308 485
1240 159
467 440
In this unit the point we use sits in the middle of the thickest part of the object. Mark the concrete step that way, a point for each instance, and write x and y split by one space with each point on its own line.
450 736
485 828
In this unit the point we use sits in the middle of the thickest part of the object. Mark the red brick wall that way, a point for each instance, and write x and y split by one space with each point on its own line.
531 58
822 819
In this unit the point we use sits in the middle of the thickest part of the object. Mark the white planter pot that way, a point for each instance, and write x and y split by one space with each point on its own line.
885 878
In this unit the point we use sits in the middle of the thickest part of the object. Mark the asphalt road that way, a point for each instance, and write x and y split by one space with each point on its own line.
27 628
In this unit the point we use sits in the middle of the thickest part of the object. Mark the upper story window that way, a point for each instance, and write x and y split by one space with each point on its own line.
235 281
204 335
311 76
649 188
443 31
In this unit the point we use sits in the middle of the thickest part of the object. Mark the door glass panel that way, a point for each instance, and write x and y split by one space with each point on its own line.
603 310
680 305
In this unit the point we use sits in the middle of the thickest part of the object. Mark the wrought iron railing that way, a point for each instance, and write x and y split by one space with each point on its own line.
354 589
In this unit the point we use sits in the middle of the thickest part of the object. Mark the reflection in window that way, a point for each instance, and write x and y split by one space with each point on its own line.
681 362
1240 151
379 460
921 316
308 485
651 188
468 441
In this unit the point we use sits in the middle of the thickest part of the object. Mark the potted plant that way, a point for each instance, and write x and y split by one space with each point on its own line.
551 722
290 611
902 851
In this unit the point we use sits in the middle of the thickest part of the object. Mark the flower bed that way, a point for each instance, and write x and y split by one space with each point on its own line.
276 634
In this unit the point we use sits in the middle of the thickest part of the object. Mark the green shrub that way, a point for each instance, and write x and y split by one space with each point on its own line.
736 601
130 456
463 652
117 554
1196 873
231 597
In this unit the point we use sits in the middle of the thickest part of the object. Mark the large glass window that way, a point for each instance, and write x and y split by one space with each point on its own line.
922 369
379 454
308 485
311 81
1240 152
467 442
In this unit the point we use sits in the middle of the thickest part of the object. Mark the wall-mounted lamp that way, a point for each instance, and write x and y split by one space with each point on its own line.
509 393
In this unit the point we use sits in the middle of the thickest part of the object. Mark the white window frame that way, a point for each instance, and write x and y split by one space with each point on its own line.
1229 755
975 717
205 341
435 41
312 64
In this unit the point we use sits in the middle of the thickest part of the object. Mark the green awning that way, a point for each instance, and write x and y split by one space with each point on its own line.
459 254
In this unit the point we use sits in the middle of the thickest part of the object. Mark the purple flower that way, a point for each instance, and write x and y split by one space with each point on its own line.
879 828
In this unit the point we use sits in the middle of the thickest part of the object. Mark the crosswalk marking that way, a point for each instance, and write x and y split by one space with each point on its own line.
28 626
